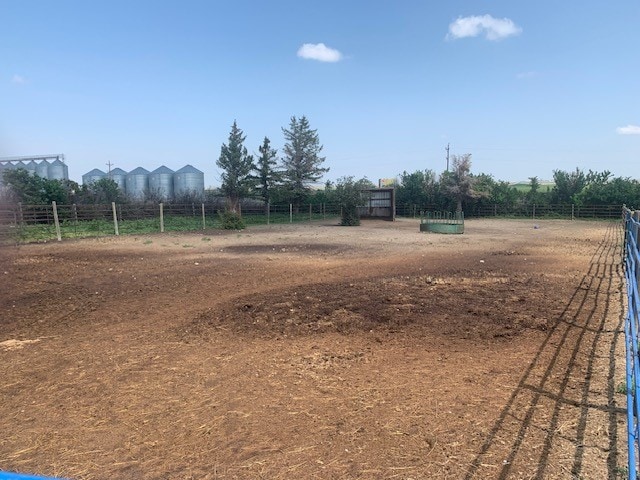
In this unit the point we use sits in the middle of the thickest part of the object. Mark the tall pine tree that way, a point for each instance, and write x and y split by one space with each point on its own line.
266 174
236 167
302 161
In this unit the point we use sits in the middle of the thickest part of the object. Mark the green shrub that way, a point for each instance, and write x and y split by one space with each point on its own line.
231 221
350 217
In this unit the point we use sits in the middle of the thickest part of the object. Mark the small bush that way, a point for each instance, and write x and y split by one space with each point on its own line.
350 217
231 221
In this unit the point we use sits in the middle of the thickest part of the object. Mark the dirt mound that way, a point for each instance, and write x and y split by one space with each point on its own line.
479 307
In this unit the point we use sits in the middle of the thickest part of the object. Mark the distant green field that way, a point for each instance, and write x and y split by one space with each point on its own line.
525 186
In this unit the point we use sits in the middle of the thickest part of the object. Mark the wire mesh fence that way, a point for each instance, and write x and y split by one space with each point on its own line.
566 211
35 223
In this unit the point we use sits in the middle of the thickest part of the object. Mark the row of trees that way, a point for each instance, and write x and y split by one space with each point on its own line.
292 175
460 189
288 178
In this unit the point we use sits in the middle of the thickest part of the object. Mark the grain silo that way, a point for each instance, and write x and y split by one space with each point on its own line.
93 176
188 180
161 183
42 169
120 177
31 167
137 183
57 170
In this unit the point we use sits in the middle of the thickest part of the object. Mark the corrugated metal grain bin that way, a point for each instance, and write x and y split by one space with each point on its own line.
137 183
31 167
93 176
188 180
42 169
161 182
120 177
57 171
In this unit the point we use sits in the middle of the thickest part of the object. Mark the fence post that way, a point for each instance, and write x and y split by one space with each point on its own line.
203 219
573 207
161 218
115 218
636 216
495 209
56 221
268 213
310 210
291 213
534 211
324 211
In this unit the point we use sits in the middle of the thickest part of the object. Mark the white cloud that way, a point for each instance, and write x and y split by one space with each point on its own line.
18 79
628 130
491 28
320 52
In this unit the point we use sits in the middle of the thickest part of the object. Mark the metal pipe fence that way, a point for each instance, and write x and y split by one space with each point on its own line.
632 323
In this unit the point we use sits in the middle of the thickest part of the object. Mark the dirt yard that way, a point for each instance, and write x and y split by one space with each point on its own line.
317 351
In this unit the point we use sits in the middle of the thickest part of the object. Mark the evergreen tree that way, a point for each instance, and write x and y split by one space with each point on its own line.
267 176
236 167
302 161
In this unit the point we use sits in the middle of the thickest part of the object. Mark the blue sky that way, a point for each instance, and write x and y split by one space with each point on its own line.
525 87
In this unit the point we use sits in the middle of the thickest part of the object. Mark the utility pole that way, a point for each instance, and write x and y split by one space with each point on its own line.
447 150
109 164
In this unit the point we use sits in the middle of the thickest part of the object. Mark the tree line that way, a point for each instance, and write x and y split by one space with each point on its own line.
462 190
292 178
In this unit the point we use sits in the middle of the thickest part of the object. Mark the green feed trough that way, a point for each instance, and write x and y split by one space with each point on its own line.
442 222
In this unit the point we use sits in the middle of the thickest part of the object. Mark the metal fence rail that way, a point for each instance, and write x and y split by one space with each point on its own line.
632 323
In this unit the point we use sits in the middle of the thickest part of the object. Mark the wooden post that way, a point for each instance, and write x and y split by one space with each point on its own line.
495 209
56 221
291 213
161 218
115 218
203 218
310 212
20 213
324 211
268 213
573 216
75 219
534 211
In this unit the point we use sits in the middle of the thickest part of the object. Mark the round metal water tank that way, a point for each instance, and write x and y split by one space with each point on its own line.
42 169
137 183
188 180
93 176
57 171
120 177
161 183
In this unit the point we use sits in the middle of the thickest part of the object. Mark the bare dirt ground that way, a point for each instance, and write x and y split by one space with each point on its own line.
317 351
